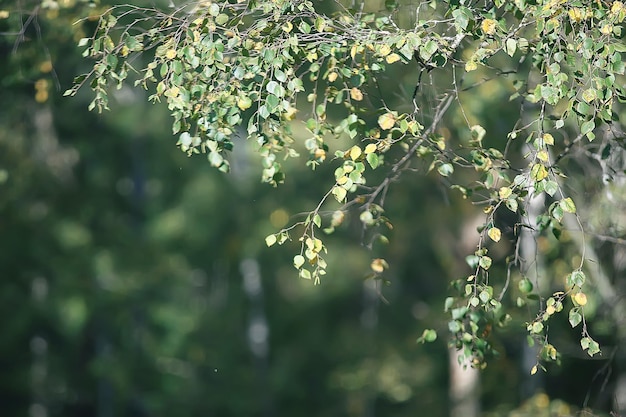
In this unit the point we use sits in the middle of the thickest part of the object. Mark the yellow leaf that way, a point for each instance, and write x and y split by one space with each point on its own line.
533 370
548 139
290 113
576 14
488 26
41 96
617 7
287 27
538 172
355 152
172 92
337 219
353 51
542 155
4 14
371 148
505 192
392 58
495 234
470 66
244 103
356 94
589 95
45 66
41 84
378 265
386 121
580 299
342 180
607 29
170 54
332 76
384 50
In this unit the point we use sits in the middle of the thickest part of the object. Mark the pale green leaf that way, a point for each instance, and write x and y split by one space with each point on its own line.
298 261
270 240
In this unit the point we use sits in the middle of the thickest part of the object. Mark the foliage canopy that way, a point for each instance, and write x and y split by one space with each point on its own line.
293 79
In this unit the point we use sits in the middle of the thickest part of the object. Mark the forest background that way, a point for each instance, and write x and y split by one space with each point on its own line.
137 282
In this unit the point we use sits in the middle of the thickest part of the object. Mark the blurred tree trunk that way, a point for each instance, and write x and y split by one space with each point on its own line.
463 391
258 328
533 268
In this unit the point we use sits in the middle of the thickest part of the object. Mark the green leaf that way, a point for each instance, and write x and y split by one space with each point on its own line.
458 313
264 112
445 169
537 327
587 127
525 286
448 304
317 220
340 194
485 262
551 187
304 27
367 218
454 326
272 102
372 159
549 94
512 204
215 158
576 278
583 108
574 317
510 47
557 213
462 17
584 342
428 49
594 347
428 335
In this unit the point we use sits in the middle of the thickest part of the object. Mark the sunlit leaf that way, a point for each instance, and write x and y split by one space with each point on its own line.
356 94
386 121
270 240
495 234
340 194
488 26
580 299
298 261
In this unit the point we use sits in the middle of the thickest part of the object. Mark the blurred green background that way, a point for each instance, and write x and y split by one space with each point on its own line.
136 282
